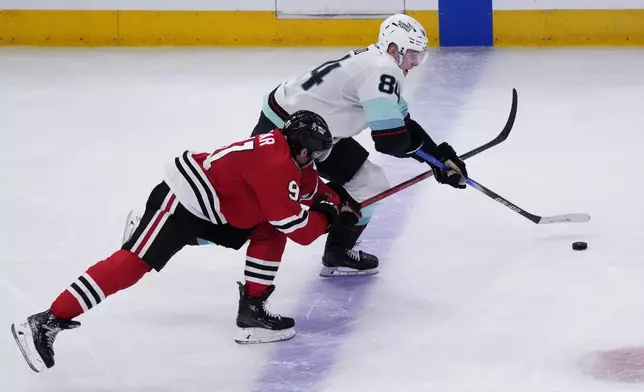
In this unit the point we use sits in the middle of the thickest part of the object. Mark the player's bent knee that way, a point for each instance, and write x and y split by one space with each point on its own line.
368 181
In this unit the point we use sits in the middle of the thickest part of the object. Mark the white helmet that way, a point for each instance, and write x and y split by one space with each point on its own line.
404 31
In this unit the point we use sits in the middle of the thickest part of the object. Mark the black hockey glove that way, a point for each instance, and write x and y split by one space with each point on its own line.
349 208
456 173
322 205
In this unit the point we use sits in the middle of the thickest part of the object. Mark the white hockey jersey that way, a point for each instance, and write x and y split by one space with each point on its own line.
362 89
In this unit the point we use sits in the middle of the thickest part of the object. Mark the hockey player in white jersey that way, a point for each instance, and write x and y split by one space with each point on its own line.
363 89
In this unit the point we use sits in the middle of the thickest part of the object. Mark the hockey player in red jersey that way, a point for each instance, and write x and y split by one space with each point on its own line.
251 189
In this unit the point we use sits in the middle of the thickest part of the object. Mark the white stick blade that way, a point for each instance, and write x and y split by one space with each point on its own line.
566 218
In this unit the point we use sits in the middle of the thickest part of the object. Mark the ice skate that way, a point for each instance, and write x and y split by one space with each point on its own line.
338 261
35 338
258 325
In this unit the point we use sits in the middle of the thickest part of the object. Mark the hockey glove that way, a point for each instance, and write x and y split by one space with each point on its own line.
344 196
348 216
349 208
456 174
322 205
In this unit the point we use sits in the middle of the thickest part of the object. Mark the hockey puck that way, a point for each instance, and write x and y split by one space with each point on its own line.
579 245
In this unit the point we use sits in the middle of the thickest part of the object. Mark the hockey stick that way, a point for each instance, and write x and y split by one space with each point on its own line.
497 140
540 220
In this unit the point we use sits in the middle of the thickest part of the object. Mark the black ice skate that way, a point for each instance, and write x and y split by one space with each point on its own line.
36 336
338 261
258 325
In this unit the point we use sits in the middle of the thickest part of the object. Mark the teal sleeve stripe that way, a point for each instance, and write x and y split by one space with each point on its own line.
404 107
383 113
386 124
268 112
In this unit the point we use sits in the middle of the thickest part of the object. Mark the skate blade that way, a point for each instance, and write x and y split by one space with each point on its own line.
131 223
28 351
127 231
331 272
262 335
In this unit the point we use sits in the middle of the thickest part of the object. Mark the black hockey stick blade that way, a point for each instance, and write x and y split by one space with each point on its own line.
422 176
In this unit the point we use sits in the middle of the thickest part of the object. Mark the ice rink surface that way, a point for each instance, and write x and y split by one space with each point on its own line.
470 297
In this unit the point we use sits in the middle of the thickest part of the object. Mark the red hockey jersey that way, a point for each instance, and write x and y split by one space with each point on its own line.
250 182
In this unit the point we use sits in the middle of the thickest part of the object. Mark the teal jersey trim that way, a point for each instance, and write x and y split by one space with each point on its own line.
383 113
268 112
404 107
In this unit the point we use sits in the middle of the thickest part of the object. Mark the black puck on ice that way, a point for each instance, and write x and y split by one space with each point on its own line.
579 245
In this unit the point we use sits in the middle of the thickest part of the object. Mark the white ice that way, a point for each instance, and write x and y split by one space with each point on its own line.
471 296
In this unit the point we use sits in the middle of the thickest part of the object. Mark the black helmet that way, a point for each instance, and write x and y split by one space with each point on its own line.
305 129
